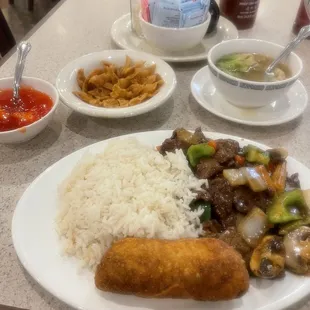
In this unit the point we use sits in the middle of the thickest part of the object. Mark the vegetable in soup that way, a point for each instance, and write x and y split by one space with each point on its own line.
251 67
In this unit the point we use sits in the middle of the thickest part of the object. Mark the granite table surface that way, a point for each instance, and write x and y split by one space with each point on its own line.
79 27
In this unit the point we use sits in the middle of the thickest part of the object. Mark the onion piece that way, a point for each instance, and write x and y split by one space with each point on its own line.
256 177
253 227
266 177
235 177
239 218
306 194
255 180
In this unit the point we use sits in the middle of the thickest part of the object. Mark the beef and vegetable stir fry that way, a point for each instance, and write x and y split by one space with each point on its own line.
251 203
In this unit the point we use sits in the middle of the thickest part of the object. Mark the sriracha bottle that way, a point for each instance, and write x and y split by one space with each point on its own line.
302 18
242 13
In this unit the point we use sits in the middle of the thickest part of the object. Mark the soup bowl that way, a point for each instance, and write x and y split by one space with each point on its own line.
249 94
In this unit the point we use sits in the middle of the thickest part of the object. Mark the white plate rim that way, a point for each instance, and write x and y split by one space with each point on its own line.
245 122
287 301
161 98
193 58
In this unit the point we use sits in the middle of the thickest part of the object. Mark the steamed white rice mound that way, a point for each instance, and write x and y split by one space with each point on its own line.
128 190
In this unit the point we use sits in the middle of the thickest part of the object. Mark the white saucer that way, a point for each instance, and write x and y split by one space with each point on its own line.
287 108
123 36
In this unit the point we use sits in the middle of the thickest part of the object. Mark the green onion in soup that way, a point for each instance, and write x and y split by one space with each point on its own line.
251 67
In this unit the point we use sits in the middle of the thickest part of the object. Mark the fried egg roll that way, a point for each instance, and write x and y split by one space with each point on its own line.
200 269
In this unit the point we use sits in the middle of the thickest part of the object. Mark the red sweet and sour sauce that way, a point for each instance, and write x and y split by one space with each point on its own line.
32 106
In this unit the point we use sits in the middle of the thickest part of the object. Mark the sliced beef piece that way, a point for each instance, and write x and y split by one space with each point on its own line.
231 164
203 195
293 181
234 239
245 199
208 168
212 228
222 198
226 150
182 139
230 221
169 145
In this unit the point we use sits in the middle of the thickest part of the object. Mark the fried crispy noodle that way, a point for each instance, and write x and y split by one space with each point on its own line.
117 87
128 190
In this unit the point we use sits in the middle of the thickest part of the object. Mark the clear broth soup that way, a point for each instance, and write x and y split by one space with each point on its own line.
252 67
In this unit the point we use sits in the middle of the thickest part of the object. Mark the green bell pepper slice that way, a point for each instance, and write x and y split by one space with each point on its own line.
206 206
255 155
286 228
198 151
289 206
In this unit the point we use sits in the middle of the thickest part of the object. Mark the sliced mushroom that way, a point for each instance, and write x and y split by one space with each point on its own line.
297 247
268 258
278 154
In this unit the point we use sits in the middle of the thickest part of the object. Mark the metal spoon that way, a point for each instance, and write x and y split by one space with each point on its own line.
303 34
23 49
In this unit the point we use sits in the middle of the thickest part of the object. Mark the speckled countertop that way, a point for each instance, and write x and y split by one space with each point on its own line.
79 27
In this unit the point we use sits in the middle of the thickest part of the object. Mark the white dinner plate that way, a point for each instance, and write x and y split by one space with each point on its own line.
123 36
38 248
287 108
66 83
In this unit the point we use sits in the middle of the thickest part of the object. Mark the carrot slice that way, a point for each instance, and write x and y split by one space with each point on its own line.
266 177
240 160
279 177
213 144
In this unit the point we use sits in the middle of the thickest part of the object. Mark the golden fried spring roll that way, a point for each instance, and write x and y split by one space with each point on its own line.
201 269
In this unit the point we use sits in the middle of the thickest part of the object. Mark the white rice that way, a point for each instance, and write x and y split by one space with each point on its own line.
128 190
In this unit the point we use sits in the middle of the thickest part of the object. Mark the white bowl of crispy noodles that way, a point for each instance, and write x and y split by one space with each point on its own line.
116 83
